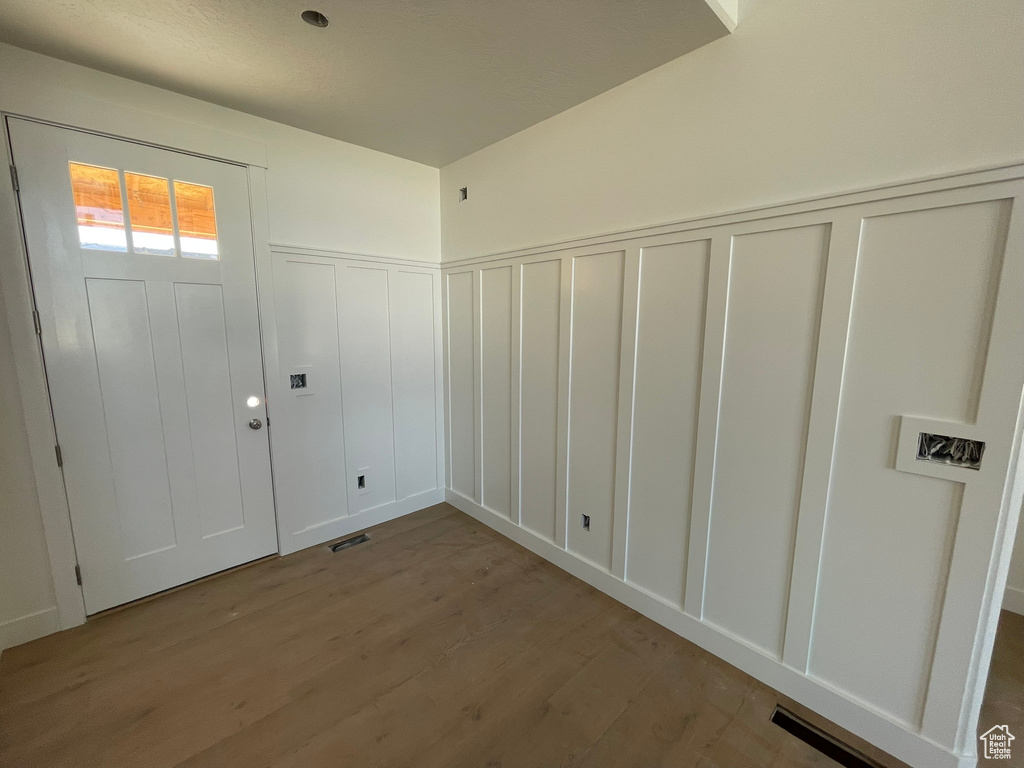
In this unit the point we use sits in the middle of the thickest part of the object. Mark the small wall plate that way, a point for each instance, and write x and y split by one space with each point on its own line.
299 370
911 428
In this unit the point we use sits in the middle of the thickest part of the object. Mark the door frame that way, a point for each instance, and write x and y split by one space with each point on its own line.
19 305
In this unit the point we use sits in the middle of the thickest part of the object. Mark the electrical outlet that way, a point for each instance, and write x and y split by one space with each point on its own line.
585 522
362 480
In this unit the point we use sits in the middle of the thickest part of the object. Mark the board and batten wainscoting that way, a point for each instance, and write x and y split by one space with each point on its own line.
364 335
734 402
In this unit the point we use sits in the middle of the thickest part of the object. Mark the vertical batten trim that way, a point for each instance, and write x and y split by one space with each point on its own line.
446 366
515 396
983 540
716 317
440 439
624 419
389 273
565 288
823 423
476 299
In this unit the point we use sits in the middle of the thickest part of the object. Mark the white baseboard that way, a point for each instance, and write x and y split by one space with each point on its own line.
343 526
25 628
1013 600
843 709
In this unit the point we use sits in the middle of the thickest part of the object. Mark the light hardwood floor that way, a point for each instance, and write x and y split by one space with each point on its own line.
437 643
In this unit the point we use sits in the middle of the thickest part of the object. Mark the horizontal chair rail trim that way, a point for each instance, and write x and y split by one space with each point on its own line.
302 250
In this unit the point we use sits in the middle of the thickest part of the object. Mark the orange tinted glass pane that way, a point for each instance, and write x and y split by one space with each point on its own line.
197 220
100 217
149 210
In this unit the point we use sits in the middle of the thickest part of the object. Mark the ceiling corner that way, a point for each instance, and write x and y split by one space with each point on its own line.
727 11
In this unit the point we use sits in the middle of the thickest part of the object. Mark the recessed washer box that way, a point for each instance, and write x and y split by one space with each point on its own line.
301 380
943 449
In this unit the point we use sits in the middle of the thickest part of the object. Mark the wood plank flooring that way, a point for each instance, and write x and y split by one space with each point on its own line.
436 643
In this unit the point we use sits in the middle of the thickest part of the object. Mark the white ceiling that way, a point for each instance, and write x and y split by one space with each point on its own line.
428 80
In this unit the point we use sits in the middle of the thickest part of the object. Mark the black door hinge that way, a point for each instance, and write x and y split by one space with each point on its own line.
60 456
14 179
78 574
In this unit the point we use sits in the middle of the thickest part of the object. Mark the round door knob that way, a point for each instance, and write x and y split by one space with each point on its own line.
255 424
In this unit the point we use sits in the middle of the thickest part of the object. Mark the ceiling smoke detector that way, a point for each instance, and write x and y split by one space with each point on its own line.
315 18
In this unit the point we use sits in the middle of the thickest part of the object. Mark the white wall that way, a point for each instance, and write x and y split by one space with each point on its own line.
27 604
804 98
321 193
1014 599
729 402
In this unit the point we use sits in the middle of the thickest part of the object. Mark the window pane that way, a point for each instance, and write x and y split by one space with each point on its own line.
149 210
97 195
197 222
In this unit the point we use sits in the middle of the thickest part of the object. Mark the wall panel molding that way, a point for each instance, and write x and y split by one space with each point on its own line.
728 427
843 247
367 334
771 340
669 341
305 250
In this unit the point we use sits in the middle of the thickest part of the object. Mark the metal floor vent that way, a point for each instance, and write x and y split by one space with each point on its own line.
340 545
821 741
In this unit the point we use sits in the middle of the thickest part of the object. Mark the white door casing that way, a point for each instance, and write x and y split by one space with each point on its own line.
150 362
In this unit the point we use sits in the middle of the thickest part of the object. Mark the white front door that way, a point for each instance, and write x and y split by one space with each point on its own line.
143 270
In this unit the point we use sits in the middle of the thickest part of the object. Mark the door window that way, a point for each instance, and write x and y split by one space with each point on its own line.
97 195
197 222
152 204
149 211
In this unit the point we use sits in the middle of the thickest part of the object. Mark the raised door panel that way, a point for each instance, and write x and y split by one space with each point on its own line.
119 311
204 359
776 280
